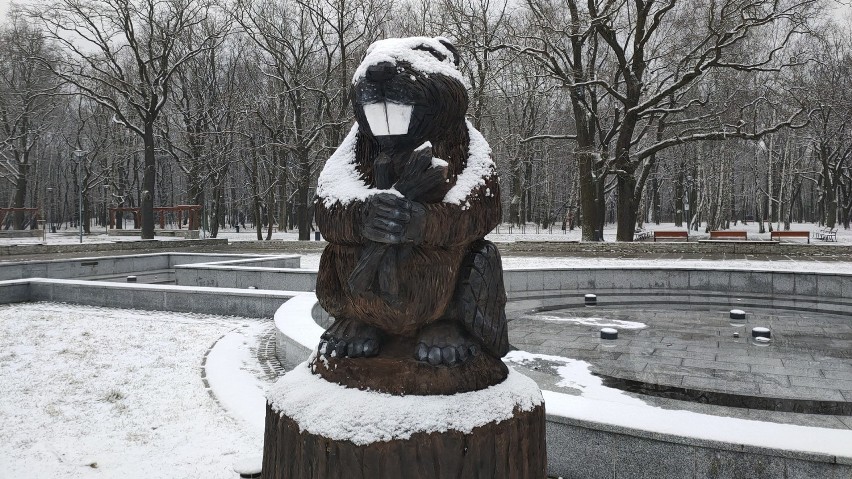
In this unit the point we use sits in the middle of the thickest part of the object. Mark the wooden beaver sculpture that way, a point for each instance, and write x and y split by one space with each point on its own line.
404 203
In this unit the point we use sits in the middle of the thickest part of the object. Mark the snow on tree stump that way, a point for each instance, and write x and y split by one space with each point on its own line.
318 429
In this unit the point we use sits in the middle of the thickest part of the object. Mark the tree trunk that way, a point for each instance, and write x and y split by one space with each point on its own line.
515 201
510 449
304 220
588 193
20 195
626 222
270 213
282 191
87 227
678 198
149 180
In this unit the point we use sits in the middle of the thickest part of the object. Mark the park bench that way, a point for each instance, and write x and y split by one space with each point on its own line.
641 235
684 235
826 234
790 234
725 235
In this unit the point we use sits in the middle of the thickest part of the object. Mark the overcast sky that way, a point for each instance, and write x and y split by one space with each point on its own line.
4 6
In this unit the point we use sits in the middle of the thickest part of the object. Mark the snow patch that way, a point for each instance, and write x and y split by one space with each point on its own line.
227 368
119 388
616 323
295 320
330 410
479 167
339 181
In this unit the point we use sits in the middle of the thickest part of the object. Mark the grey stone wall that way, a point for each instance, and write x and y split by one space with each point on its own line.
643 248
584 450
83 267
34 249
248 303
774 283
127 264
244 277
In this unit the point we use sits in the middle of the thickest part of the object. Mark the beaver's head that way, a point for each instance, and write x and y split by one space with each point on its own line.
408 90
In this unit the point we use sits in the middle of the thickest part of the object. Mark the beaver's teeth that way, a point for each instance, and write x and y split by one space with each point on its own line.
388 118
376 114
399 116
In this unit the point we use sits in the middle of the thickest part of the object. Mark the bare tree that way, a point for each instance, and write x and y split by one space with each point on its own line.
26 103
307 58
831 92
737 35
123 54
559 38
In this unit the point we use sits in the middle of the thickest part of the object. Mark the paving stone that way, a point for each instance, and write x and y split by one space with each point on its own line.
825 365
753 360
777 379
669 369
846 420
684 354
618 364
656 359
698 363
760 368
797 392
769 353
723 385
821 383
559 342
674 380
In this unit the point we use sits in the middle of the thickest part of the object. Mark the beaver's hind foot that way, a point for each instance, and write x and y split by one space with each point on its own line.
349 338
445 343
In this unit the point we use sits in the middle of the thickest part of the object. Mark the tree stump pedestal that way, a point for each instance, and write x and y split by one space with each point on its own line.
318 429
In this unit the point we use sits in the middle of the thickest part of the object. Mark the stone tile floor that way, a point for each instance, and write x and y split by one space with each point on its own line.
808 364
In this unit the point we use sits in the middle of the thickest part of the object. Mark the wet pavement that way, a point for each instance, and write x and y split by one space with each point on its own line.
690 353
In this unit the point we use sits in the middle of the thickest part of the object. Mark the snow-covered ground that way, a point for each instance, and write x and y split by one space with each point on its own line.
499 235
99 392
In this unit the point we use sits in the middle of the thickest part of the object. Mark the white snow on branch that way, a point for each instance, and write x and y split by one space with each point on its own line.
330 410
395 50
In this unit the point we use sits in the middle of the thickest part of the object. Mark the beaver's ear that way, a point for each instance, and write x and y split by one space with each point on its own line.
451 48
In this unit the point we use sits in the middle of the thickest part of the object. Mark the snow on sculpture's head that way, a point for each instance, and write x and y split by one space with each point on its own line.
408 90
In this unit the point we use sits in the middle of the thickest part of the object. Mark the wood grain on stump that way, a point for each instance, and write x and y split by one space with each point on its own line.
509 449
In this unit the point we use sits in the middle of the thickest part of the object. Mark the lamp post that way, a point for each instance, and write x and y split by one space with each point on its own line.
106 208
79 155
688 184
49 212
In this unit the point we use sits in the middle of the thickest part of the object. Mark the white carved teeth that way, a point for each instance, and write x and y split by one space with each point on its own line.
387 118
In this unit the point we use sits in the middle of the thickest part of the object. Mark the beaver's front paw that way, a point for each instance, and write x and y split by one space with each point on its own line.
444 343
348 338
